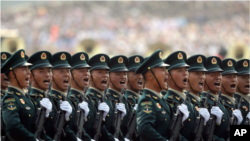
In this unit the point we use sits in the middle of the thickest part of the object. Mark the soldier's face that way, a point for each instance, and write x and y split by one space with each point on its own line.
160 74
23 76
4 81
100 79
214 81
180 77
229 82
244 84
42 76
81 76
119 80
196 79
61 78
136 81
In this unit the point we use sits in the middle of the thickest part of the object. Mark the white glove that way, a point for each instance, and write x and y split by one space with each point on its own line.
92 140
121 107
126 139
248 115
45 102
36 140
65 106
237 114
85 108
105 108
183 108
116 139
79 139
135 107
218 113
205 114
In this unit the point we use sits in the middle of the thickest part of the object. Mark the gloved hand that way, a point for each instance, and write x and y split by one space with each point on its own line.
79 139
116 139
237 114
135 107
105 108
121 107
218 113
65 106
45 102
92 140
248 115
126 139
205 114
85 108
36 139
183 108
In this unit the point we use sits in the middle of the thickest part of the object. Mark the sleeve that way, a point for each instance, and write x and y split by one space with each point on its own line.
14 128
106 135
70 135
145 117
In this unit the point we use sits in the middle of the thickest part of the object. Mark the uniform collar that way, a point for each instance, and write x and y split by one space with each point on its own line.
61 92
100 92
214 95
137 94
4 91
154 92
230 98
195 96
79 91
181 94
115 91
38 89
246 97
20 90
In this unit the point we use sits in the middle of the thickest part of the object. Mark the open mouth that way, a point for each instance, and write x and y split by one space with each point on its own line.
6 79
122 82
104 82
139 82
247 86
86 80
66 81
217 84
200 83
232 86
46 81
185 80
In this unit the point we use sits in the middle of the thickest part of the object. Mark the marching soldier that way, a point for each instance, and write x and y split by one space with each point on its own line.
213 84
243 86
228 87
135 81
153 114
178 78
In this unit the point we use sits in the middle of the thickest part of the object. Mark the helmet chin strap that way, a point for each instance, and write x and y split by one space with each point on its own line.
112 82
174 81
75 81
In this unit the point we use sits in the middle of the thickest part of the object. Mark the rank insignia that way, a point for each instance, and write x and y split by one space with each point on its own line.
155 97
158 105
114 95
22 101
228 102
9 100
18 93
177 98
194 100
27 108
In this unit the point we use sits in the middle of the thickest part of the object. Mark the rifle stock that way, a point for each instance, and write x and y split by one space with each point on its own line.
131 126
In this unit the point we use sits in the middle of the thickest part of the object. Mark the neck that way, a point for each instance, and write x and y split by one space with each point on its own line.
16 85
74 86
152 87
56 88
112 87
192 91
228 94
173 86
211 91
237 90
35 86
131 89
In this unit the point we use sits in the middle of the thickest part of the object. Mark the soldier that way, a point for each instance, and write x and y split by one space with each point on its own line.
60 83
213 84
117 81
178 78
243 86
228 87
4 87
153 114
135 81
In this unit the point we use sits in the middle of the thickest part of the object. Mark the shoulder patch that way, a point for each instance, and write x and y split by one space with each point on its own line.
146 103
9 100
11 106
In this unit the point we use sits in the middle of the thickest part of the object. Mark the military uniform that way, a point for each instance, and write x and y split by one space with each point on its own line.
4 57
242 68
163 92
153 114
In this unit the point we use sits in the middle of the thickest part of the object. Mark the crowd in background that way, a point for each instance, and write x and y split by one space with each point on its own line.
130 27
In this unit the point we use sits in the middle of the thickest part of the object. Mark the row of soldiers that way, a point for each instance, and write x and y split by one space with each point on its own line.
157 92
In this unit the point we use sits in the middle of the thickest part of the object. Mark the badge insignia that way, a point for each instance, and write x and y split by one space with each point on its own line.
102 59
160 55
9 100
27 108
180 56
171 96
228 102
43 56
177 98
11 106
120 60
147 111
214 61
82 57
199 59
114 95
18 93
137 60
4 57
245 64
155 97
98 95
197 108
40 95
146 103
163 112
63 57
22 54
230 63
158 105
194 100
212 98
22 101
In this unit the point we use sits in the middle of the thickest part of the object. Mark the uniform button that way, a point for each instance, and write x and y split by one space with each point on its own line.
51 117
189 119
165 119
89 116
29 115
223 120
108 115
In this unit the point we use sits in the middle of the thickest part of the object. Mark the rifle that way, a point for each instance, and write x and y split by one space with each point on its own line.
60 121
210 127
40 117
117 119
80 117
176 122
199 123
131 126
247 122
2 129
98 120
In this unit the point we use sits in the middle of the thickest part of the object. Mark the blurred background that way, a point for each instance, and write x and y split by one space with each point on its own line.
127 27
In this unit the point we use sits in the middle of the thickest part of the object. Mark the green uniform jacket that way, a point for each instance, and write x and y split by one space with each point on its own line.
228 104
153 116
220 131
74 96
163 92
18 115
55 97
244 108
131 97
3 132
174 100
106 130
